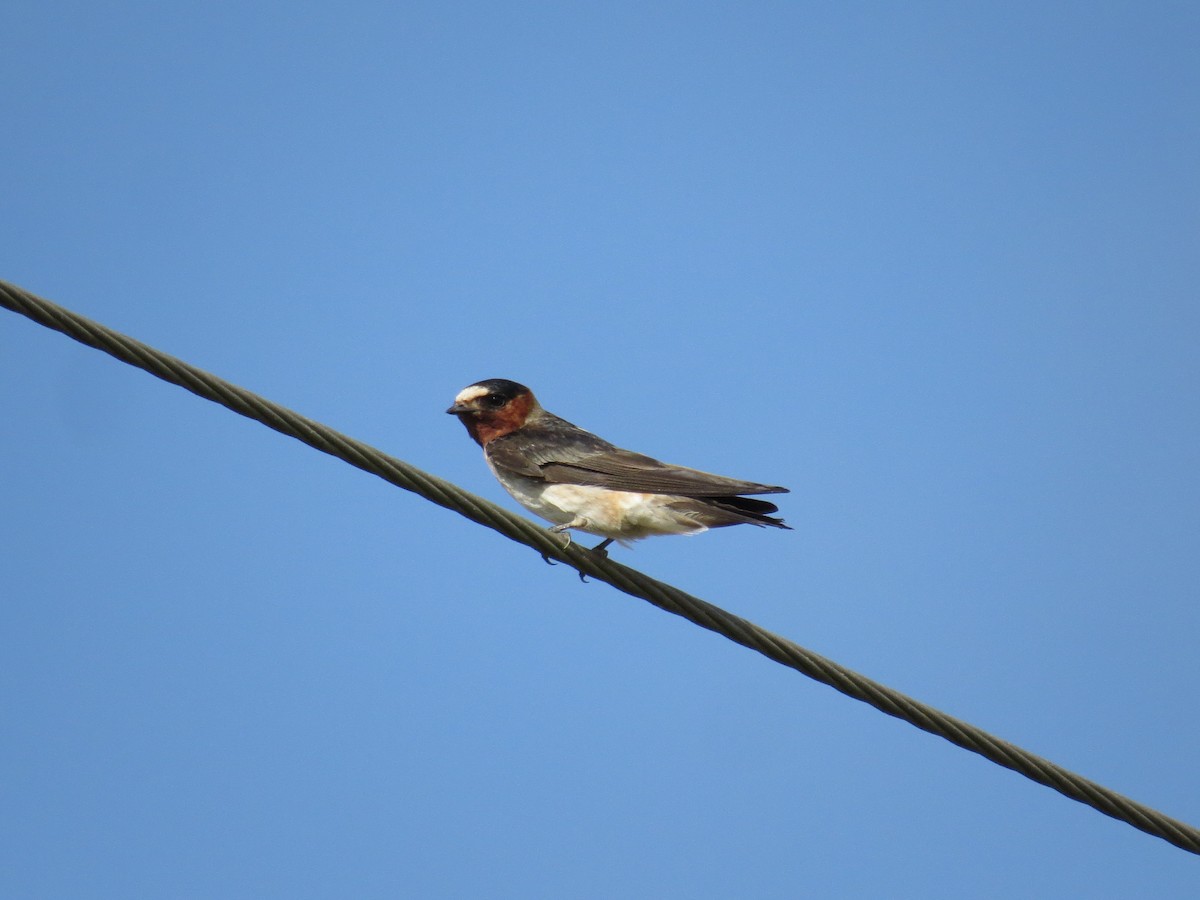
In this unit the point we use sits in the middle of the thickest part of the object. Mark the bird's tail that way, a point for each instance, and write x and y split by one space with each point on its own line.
718 512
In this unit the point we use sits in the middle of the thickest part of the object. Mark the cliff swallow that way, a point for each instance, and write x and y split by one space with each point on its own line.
577 480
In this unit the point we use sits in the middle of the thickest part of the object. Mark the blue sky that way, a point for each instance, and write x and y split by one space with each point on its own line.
932 266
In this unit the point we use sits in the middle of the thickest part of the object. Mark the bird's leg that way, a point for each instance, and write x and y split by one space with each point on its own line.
577 522
601 550
562 529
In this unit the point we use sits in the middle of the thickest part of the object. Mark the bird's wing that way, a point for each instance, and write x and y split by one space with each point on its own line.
560 453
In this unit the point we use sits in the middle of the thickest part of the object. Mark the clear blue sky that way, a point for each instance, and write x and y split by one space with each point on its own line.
934 266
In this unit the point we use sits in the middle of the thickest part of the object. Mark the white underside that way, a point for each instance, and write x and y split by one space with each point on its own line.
621 515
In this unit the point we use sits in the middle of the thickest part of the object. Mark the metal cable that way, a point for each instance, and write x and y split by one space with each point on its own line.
621 577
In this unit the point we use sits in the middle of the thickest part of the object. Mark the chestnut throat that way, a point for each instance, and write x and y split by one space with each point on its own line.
485 426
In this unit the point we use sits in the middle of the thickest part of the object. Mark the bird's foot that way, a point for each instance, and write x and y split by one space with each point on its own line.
565 534
578 522
560 529
601 549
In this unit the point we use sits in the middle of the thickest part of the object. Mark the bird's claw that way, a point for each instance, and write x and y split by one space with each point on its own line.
557 529
601 549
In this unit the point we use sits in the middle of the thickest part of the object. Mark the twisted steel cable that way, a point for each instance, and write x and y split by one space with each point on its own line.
632 582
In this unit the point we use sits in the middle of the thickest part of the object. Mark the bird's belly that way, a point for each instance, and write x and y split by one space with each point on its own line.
623 515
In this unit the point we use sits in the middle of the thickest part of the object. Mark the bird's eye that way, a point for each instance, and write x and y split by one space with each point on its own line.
493 400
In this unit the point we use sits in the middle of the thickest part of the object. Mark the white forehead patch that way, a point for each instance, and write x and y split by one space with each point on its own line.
467 394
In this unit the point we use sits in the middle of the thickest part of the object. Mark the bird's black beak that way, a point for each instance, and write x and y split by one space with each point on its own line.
458 409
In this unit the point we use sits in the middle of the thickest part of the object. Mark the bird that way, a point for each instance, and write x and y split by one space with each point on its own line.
579 481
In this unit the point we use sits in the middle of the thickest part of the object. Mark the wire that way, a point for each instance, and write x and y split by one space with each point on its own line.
664 596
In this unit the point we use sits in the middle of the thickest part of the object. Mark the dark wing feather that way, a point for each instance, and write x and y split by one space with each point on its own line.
626 471
560 453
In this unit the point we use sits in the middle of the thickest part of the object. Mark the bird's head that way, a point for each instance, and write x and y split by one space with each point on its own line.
493 408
